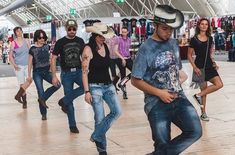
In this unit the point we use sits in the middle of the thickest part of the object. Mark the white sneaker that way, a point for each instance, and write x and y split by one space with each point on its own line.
204 117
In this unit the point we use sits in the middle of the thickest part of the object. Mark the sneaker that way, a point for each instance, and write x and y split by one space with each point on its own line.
44 117
198 99
63 107
125 96
204 117
122 87
74 129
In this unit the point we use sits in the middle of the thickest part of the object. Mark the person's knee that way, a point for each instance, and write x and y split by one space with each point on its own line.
197 133
116 113
220 85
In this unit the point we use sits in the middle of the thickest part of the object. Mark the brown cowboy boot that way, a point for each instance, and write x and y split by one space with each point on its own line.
42 102
19 95
24 102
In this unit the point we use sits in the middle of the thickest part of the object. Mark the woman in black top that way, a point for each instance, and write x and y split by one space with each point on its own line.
39 56
198 44
98 85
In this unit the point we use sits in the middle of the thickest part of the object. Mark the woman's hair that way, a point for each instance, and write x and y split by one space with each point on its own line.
16 28
37 35
208 31
92 42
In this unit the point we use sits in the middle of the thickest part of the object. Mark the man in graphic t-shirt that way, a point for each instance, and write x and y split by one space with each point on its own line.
70 49
156 72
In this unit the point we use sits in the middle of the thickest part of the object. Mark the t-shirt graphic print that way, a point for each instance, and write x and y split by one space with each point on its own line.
72 55
166 72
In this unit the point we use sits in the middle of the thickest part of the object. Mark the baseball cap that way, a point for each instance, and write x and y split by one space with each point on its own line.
71 23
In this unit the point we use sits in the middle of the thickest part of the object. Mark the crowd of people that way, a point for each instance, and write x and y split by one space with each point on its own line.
156 71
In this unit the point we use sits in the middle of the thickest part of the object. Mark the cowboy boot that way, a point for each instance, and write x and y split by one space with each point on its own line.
115 80
24 102
42 102
19 95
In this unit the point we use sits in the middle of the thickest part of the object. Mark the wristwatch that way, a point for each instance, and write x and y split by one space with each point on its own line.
87 91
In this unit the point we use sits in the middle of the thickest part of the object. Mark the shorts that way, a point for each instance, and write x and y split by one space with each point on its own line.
22 74
210 73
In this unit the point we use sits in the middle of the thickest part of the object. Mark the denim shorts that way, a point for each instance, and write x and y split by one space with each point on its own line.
22 74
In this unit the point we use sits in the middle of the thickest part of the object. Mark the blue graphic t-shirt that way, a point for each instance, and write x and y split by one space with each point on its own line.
158 64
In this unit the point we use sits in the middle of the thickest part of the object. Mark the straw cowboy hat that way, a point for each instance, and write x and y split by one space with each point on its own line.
165 14
101 29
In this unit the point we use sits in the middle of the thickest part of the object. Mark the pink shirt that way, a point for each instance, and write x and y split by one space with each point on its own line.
124 46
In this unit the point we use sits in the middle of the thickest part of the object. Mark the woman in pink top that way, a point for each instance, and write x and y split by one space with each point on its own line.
18 56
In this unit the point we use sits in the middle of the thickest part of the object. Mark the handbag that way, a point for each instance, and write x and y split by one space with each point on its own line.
197 80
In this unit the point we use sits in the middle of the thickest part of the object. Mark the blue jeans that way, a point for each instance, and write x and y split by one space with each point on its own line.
107 93
38 77
68 79
183 115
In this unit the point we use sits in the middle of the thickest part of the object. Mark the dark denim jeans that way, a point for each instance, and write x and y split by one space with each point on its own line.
68 79
38 77
183 115
101 93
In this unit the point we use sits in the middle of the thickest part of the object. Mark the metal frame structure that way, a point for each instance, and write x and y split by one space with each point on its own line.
59 9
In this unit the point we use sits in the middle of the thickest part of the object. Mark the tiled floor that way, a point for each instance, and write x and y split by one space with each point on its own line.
23 133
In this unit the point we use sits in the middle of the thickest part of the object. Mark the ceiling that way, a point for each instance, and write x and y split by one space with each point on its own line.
34 12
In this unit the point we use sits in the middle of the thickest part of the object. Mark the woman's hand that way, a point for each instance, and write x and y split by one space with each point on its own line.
17 68
123 62
197 71
88 97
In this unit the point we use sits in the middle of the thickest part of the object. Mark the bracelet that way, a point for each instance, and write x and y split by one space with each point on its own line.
88 91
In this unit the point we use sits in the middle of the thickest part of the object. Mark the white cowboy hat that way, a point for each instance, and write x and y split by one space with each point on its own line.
101 29
167 15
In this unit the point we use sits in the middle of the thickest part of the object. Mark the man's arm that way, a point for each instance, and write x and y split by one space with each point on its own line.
164 95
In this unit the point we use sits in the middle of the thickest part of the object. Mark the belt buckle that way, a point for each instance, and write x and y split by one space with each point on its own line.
73 69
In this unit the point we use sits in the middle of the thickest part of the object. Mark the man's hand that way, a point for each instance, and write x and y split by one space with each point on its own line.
166 97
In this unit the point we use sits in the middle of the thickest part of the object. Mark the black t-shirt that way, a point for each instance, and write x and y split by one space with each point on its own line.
70 51
41 56
200 51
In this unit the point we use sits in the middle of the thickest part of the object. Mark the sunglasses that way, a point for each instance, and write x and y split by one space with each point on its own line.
41 38
72 29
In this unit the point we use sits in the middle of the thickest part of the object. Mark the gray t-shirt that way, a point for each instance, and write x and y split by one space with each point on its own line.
158 64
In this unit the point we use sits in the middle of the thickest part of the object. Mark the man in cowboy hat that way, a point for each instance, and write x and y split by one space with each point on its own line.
70 49
156 73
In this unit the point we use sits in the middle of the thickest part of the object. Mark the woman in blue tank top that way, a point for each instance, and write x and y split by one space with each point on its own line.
18 56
